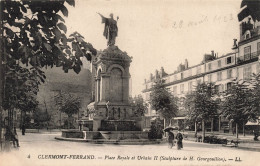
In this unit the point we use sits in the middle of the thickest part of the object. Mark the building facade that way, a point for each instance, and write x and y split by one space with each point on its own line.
239 64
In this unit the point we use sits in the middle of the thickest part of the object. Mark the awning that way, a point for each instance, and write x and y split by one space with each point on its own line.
180 118
256 123
252 123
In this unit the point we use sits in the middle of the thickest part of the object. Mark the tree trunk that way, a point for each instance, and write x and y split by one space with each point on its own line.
196 129
212 123
69 122
60 119
244 134
1 76
236 130
219 123
203 130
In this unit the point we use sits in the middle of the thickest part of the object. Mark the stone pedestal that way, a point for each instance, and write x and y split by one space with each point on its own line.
111 107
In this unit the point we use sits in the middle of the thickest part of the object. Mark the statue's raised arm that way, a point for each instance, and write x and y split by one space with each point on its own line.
110 29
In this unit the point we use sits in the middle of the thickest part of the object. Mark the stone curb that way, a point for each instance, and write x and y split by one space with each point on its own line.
117 142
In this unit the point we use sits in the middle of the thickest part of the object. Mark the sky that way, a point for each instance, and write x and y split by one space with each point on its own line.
159 33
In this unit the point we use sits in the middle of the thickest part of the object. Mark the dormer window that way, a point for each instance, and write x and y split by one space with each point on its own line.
247 35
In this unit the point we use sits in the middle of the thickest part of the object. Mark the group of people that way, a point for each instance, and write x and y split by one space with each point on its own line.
179 138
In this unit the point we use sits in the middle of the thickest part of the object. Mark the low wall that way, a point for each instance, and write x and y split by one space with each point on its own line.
92 135
120 135
72 134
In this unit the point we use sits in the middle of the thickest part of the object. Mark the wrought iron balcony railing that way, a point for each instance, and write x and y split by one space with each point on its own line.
248 57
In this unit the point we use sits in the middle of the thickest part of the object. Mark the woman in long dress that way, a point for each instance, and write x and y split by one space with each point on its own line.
170 138
179 138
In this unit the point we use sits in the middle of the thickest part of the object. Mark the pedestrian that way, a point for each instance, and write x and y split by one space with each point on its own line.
15 138
179 138
23 129
170 137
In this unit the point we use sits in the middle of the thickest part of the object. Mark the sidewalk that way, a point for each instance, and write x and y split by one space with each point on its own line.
245 142
42 131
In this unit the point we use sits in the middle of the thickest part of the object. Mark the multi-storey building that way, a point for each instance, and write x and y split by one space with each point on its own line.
239 64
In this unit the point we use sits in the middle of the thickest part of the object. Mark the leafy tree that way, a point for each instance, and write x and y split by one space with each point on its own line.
163 101
68 104
139 104
250 8
237 104
201 104
41 117
255 94
32 36
20 91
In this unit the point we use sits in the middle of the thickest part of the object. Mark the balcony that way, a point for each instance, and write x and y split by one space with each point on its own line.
248 58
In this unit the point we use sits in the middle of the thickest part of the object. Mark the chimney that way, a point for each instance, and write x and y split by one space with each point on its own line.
186 65
151 76
156 74
212 53
161 72
235 44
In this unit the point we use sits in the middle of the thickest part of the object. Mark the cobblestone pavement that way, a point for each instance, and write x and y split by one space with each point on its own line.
42 149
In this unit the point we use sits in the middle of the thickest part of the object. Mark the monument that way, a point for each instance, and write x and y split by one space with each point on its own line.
110 116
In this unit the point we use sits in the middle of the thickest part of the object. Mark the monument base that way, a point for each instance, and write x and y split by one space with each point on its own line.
105 135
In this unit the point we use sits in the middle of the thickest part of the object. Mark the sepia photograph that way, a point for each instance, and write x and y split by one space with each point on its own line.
128 83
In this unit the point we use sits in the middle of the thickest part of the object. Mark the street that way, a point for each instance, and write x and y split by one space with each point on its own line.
42 149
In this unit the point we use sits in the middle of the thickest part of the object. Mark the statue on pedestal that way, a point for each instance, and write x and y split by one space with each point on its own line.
110 30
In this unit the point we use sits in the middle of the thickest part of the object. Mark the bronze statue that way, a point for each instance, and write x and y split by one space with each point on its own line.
110 30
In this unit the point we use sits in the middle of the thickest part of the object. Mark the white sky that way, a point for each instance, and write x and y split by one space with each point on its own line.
147 33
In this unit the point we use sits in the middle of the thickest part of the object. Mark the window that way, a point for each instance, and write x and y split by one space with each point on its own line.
182 88
181 75
190 86
247 52
189 72
229 73
198 70
175 90
247 72
229 85
257 68
221 88
217 88
247 36
229 60
209 66
175 77
219 63
219 76
198 82
209 78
